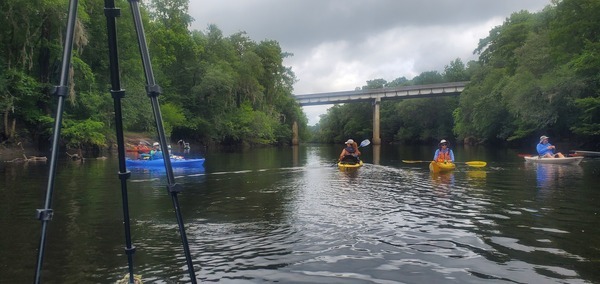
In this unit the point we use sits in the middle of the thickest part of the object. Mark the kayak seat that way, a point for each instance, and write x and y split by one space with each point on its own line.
349 159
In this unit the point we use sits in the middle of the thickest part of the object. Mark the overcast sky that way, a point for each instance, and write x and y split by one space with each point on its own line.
338 45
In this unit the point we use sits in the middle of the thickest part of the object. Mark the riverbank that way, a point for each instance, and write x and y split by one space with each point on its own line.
18 151
26 150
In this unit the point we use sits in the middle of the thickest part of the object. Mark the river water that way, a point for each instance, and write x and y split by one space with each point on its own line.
288 215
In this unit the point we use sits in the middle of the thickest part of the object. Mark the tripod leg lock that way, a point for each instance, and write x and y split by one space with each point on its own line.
45 214
130 251
125 175
112 12
118 94
153 91
174 188
61 91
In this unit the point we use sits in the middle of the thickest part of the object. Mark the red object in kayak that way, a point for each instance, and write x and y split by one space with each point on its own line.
139 149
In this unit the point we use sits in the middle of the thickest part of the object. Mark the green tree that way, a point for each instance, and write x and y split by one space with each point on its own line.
27 39
498 48
79 134
589 118
456 71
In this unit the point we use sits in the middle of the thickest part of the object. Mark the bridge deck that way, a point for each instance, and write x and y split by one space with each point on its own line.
404 92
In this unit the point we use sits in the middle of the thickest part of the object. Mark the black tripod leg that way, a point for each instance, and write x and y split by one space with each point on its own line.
111 12
153 92
45 215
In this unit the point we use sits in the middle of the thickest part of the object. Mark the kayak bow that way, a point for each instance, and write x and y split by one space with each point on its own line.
436 167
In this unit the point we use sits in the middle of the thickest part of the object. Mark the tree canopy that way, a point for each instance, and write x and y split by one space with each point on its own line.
216 89
537 73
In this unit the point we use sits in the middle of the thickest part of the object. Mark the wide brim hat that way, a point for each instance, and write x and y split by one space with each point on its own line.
543 137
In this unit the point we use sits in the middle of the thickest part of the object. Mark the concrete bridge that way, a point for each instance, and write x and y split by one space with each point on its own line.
376 95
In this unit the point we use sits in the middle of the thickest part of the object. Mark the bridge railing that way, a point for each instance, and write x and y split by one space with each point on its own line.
404 92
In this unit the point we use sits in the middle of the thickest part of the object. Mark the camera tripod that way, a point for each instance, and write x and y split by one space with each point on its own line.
152 90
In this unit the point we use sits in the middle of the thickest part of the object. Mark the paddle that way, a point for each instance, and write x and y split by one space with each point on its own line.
364 143
414 162
476 164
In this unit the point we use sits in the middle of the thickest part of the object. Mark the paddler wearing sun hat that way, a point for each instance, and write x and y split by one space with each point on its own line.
443 153
546 150
351 150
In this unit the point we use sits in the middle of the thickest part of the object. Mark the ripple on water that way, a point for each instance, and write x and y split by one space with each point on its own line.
378 225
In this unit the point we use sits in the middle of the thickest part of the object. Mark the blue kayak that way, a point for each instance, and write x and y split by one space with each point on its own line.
159 163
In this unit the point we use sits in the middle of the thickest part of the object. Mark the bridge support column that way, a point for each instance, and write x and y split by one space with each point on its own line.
376 135
376 154
295 133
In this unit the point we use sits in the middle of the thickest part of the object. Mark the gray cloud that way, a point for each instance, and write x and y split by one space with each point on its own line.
305 23
340 44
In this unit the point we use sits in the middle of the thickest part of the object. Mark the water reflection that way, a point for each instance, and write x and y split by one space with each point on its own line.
349 172
295 150
442 182
139 174
555 175
477 176
376 154
271 215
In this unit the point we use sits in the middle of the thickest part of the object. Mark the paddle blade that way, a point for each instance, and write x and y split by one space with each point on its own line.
413 162
364 143
476 164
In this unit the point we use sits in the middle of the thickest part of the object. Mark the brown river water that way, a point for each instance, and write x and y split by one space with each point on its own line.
289 215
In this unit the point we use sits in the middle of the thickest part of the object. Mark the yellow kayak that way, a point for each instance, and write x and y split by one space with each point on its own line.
350 166
436 167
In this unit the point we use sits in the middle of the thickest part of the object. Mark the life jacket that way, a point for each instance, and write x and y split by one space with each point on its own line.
350 150
444 156
156 154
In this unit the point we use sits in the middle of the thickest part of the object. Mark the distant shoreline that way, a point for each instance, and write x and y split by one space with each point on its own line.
17 151
9 153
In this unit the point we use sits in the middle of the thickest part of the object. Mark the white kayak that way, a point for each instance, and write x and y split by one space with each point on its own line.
565 160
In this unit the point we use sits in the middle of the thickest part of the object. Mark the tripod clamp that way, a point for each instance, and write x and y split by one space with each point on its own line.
60 91
44 214
153 91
